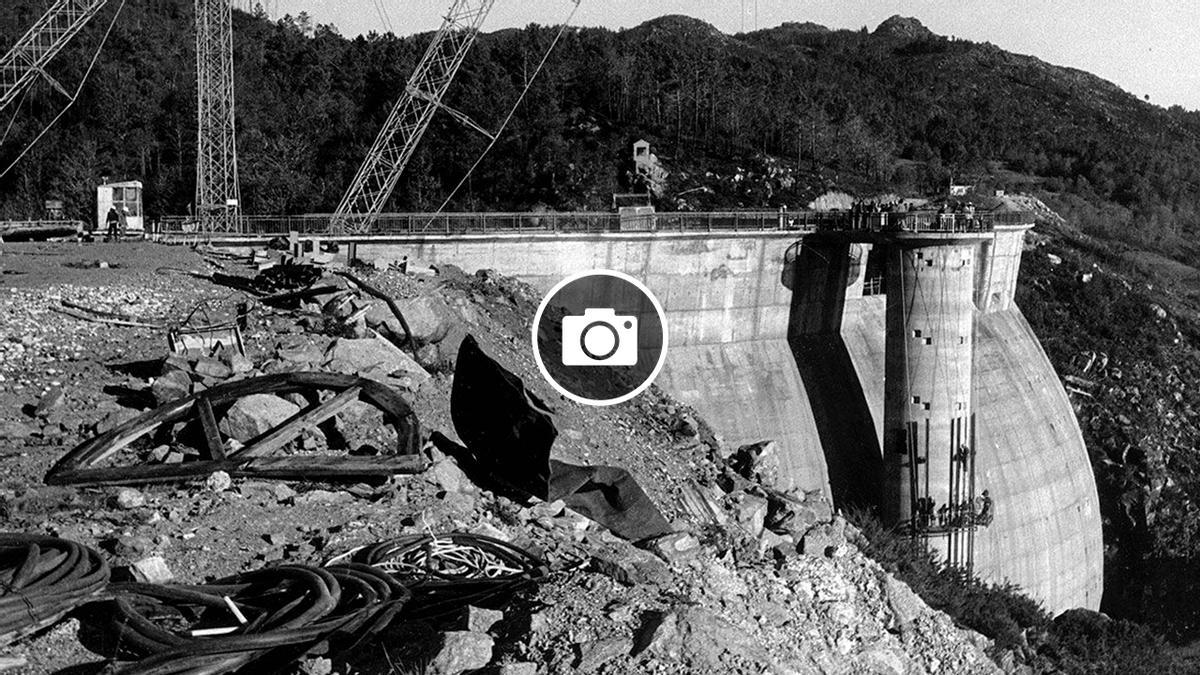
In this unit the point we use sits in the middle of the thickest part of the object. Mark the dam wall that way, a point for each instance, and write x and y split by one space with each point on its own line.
776 336
727 315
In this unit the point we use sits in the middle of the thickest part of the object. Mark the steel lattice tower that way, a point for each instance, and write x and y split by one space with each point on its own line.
30 55
398 139
218 199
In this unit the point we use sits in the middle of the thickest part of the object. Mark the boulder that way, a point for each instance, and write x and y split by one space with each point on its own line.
255 414
131 547
115 419
174 384
218 481
175 362
883 660
751 513
447 354
686 426
769 541
700 639
300 354
152 570
594 654
426 317
208 367
50 402
375 358
316 666
906 607
283 493
674 547
822 540
448 476
461 651
480 620
628 565
129 498
237 363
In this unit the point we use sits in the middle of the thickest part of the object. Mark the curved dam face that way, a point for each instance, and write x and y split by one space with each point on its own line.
776 338
1030 456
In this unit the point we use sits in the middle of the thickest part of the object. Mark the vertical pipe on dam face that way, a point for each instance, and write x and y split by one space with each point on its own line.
928 362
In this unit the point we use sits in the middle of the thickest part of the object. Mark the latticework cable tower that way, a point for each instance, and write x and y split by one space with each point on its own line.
32 53
218 200
380 171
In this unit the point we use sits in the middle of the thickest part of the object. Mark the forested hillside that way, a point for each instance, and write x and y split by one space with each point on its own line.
756 119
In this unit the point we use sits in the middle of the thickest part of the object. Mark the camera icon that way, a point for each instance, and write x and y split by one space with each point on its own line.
599 338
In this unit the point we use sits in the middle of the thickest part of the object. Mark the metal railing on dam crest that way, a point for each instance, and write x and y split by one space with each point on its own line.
417 224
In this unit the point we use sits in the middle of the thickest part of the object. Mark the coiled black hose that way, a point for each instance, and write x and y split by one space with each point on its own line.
291 609
288 610
41 579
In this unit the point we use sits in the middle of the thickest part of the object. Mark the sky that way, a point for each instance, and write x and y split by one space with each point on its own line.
1149 47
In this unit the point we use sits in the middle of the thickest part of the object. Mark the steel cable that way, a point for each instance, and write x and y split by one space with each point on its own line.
447 572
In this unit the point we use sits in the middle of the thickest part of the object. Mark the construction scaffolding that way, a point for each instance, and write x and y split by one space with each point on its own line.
956 519
28 58
218 198
422 97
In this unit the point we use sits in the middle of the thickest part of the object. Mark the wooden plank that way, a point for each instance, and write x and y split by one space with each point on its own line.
378 294
283 434
301 467
138 474
294 467
212 437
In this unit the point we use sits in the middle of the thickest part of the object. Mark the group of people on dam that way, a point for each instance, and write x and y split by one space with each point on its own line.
903 215
929 517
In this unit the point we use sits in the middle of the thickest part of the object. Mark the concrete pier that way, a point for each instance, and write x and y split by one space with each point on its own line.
928 367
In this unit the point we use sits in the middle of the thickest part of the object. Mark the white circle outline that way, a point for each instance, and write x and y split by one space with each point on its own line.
662 354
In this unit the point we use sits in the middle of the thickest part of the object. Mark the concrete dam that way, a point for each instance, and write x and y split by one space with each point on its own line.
891 365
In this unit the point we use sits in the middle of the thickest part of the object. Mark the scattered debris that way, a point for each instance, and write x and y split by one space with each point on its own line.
207 340
509 432
258 457
376 293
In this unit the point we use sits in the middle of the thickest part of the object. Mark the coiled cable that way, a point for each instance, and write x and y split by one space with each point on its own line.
273 615
42 579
